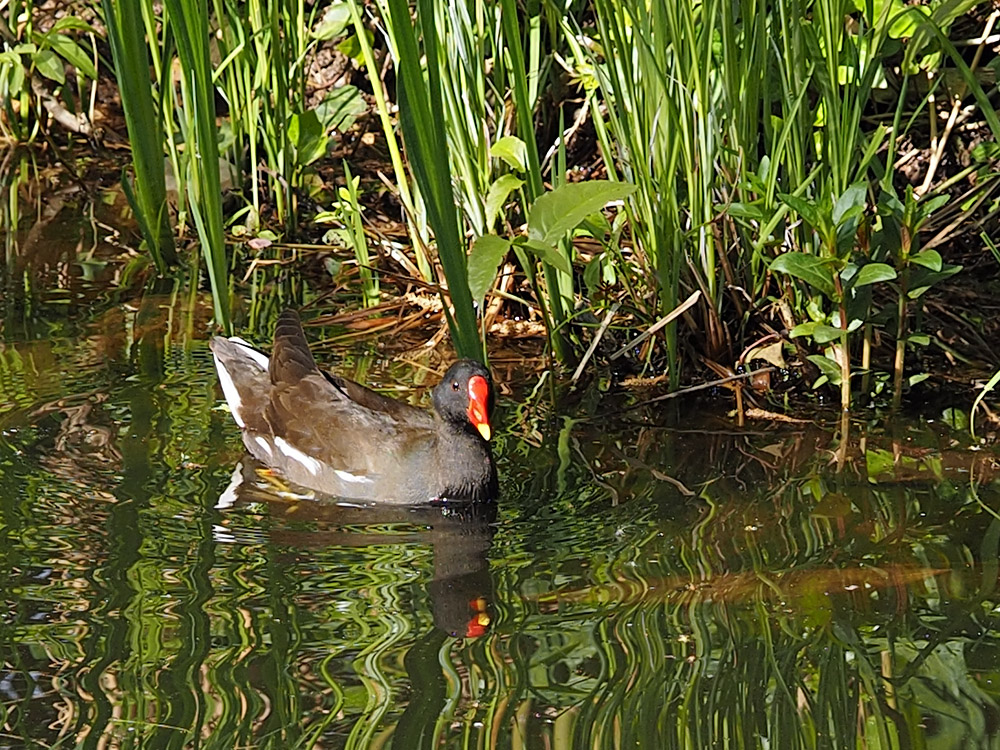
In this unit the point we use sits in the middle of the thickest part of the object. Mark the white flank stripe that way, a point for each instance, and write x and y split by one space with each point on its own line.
256 356
312 465
349 477
229 391
262 442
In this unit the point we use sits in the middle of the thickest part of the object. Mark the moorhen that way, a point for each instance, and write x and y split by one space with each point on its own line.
329 434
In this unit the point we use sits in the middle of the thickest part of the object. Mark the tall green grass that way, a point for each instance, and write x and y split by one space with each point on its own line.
188 22
148 199
423 125
184 29
753 150
743 126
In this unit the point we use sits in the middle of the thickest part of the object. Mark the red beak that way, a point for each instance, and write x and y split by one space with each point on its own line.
479 400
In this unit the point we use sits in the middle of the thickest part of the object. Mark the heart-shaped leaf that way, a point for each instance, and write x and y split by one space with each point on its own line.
487 254
512 150
928 258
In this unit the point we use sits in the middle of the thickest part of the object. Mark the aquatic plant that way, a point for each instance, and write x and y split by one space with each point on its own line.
148 197
755 141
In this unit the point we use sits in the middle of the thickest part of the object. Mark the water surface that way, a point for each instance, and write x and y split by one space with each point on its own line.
663 579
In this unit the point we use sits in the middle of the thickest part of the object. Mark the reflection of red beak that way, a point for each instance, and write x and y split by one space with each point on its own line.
479 399
480 621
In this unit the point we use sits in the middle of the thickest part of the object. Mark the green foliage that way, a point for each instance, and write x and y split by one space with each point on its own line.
842 273
559 211
898 242
348 213
811 269
423 125
148 199
31 60
550 218
188 20
753 140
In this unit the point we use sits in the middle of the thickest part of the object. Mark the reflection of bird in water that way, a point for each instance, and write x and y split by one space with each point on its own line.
461 588
84 448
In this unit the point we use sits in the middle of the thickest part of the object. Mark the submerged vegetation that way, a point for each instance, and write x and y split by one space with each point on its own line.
717 183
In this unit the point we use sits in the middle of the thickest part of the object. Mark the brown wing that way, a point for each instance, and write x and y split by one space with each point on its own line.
340 423
292 361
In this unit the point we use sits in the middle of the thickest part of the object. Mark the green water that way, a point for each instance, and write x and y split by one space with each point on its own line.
661 580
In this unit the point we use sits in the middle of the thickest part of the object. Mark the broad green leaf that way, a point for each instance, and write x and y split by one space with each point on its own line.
930 205
548 254
341 108
498 194
829 368
744 211
49 65
872 273
487 254
928 258
922 279
824 334
803 329
850 203
512 150
334 21
812 270
73 53
557 212
15 85
306 133
807 210
70 23
819 332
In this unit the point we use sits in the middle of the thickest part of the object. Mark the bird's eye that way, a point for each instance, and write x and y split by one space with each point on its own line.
454 385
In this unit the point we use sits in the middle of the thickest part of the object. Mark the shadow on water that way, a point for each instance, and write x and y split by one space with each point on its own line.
653 580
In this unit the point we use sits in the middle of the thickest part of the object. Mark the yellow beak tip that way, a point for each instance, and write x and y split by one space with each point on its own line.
484 430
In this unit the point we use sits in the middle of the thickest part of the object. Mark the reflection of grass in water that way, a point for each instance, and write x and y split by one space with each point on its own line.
144 616
766 661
